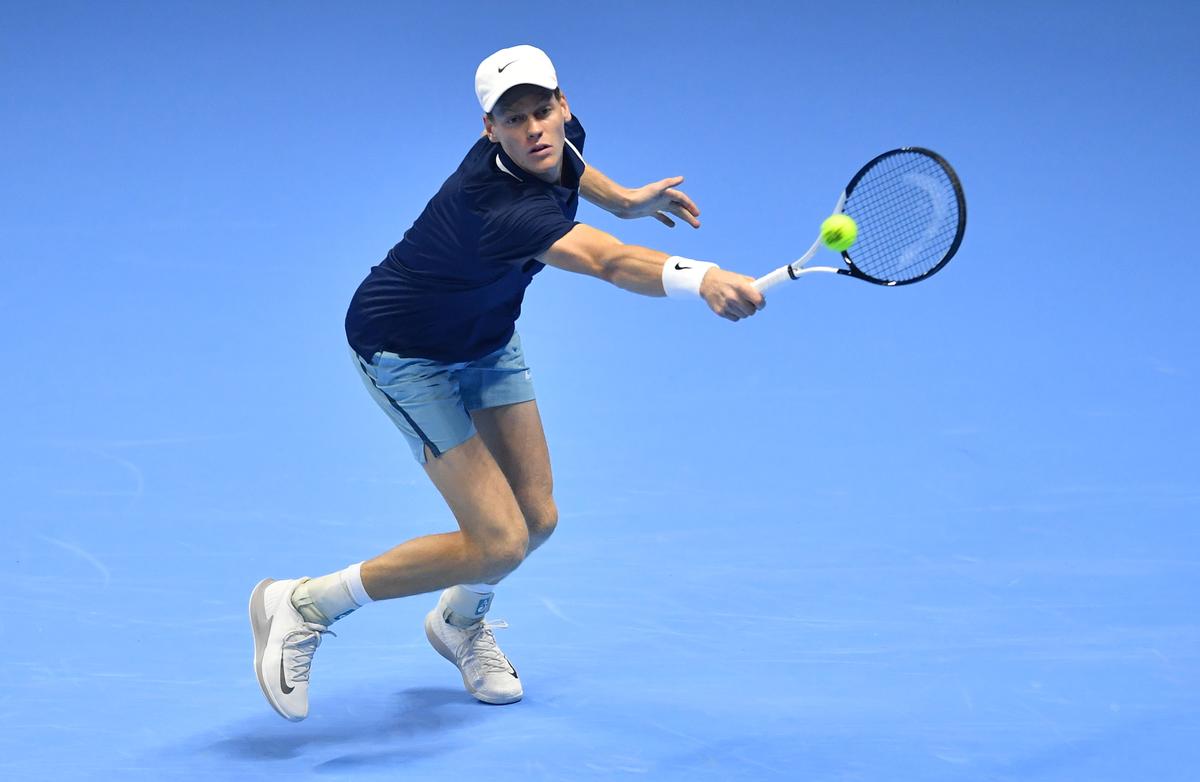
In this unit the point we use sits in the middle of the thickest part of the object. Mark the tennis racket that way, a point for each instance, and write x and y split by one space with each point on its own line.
911 214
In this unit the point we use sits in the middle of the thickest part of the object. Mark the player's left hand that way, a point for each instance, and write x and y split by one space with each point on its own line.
659 200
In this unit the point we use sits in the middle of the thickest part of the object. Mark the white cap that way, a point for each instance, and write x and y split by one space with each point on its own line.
507 68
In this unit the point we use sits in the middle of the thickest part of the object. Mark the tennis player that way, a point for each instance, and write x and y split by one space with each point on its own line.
432 333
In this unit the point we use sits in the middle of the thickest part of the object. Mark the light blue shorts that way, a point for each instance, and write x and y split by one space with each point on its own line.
430 402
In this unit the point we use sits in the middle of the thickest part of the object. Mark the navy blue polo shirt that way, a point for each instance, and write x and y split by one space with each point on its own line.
451 290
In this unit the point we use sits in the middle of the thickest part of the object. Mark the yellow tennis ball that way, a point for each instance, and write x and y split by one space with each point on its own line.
839 231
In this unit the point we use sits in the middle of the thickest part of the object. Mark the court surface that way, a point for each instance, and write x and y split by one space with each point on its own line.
673 632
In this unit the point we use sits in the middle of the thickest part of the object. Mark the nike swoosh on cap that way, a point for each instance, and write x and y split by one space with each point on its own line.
505 65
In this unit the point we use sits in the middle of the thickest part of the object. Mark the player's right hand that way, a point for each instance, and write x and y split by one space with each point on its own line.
731 295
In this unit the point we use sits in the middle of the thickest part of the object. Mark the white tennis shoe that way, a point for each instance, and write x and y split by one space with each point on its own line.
284 644
486 672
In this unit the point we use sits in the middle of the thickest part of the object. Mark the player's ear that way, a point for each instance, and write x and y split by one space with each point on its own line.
489 129
562 97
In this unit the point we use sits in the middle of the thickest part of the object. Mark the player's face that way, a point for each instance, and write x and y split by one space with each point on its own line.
531 132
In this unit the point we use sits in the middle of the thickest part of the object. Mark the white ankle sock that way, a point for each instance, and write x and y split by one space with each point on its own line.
465 604
352 578
327 599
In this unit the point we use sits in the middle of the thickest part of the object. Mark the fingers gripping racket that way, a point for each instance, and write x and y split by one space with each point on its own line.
911 214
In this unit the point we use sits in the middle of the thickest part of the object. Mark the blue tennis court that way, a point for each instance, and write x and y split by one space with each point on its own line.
941 532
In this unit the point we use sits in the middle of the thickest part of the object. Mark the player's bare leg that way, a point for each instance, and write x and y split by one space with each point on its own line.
490 543
515 438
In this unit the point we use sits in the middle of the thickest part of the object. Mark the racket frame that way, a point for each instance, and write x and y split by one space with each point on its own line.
796 269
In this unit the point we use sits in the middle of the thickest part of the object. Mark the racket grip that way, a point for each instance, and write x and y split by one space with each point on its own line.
771 279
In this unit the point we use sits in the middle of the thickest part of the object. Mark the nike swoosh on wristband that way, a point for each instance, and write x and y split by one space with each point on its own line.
681 268
501 70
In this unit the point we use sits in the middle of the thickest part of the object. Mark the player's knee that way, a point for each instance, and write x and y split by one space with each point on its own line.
503 553
541 519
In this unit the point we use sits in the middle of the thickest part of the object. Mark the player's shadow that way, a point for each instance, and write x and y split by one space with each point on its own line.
412 724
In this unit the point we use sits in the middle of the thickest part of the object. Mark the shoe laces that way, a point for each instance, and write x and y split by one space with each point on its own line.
478 647
299 646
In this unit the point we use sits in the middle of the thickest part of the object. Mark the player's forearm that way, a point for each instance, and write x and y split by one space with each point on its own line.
634 268
604 192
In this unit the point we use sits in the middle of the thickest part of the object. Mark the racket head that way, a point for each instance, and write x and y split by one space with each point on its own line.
911 214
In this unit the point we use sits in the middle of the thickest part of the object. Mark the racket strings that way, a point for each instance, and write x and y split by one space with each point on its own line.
906 220
907 210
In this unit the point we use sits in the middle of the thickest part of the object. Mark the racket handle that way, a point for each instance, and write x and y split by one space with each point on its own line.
771 279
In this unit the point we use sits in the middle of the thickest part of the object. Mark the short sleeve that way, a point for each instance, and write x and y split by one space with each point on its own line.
522 229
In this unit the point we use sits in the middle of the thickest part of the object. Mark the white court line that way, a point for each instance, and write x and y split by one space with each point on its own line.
85 555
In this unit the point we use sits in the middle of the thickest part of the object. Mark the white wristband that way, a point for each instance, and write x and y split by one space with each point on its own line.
681 276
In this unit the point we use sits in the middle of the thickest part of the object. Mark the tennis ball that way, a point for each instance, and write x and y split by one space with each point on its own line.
838 232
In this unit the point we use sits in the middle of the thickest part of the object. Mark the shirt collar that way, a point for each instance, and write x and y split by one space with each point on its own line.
573 166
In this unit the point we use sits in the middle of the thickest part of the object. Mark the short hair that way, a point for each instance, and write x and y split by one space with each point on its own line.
520 92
